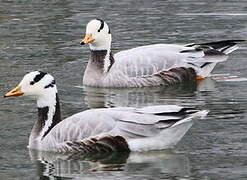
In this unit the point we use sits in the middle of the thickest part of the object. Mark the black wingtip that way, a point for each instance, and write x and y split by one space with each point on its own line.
223 42
190 50
238 40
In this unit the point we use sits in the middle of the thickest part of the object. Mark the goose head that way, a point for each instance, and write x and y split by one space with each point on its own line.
38 84
98 35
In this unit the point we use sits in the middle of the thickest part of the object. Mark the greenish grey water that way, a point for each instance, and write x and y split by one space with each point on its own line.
45 35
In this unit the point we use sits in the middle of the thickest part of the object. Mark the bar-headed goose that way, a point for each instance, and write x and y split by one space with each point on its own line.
151 65
105 129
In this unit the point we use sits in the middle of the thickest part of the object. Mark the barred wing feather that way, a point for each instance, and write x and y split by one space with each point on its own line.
147 60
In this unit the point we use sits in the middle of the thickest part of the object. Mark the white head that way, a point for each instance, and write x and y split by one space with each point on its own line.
98 35
38 84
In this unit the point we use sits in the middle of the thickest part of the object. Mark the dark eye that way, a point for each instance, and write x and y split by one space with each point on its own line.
32 83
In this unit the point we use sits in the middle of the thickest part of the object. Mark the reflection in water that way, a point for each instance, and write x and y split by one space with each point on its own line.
136 97
52 164
139 97
165 163
206 85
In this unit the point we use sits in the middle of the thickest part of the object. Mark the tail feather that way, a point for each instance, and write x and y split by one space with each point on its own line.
184 115
200 114
229 49
214 52
205 70
226 46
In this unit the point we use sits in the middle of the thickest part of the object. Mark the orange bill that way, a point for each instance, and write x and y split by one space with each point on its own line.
14 92
87 39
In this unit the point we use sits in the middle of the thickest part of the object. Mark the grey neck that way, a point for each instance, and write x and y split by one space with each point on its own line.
102 60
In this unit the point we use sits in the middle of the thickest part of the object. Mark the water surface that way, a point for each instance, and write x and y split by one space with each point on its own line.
45 35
